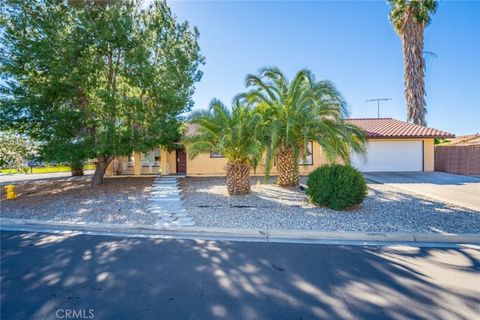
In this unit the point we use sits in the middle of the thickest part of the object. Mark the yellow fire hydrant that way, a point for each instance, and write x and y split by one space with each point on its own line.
10 191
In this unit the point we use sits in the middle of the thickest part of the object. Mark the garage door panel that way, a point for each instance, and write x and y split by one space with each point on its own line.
391 156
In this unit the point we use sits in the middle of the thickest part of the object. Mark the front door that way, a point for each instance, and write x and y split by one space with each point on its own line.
181 161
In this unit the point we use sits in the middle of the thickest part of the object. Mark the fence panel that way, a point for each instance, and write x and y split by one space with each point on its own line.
458 159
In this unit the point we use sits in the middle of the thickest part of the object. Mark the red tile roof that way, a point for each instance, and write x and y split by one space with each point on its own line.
379 128
391 128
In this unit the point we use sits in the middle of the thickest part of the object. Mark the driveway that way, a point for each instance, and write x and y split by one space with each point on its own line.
463 191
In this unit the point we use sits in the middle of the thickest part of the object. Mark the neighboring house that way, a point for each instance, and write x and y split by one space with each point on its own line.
393 145
466 140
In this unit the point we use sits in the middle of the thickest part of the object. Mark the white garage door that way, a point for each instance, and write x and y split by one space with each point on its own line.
391 156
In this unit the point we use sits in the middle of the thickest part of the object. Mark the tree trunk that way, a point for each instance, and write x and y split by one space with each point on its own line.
287 171
238 178
102 164
414 70
77 171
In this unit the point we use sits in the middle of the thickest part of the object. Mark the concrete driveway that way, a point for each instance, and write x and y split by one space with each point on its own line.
463 191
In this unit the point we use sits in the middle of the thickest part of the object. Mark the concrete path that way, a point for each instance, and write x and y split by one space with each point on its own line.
166 202
21 177
43 275
463 191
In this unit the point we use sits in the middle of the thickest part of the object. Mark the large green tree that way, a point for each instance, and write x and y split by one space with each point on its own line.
297 112
231 133
409 19
15 150
95 79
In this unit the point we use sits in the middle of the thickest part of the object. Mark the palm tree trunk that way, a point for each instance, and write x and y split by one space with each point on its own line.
238 178
412 41
287 171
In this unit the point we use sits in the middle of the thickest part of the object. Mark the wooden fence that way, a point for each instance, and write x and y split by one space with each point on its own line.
458 159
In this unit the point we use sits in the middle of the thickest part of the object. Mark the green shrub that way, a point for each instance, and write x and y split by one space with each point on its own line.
336 186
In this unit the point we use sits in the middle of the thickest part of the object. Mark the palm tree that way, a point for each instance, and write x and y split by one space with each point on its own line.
409 19
297 112
232 134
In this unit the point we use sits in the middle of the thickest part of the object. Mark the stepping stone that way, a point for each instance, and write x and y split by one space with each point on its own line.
168 220
184 219
165 192
166 203
160 199
183 224
180 215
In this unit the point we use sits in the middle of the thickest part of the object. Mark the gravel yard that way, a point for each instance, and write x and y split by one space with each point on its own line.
385 209
118 200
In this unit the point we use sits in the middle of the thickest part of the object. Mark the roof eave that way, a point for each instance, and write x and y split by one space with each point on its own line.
411 137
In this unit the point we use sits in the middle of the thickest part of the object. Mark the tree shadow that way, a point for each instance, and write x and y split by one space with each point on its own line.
118 200
140 278
272 207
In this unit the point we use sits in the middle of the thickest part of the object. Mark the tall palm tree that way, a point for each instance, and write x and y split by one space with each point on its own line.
297 112
232 134
409 19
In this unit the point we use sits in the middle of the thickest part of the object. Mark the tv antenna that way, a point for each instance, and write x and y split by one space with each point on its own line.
378 103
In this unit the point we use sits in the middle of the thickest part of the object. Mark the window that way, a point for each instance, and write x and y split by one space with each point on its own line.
216 155
308 161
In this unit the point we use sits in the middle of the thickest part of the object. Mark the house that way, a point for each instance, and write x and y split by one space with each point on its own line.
392 145
465 140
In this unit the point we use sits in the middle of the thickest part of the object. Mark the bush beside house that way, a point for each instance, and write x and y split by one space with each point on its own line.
336 186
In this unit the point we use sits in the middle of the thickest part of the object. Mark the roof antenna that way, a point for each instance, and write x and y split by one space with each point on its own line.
378 103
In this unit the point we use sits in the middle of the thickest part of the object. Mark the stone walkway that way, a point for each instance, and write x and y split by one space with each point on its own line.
166 203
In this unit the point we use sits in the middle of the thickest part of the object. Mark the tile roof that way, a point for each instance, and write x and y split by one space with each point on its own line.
470 139
378 128
391 128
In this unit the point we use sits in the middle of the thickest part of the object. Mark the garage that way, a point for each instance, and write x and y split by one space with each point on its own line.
391 156
394 145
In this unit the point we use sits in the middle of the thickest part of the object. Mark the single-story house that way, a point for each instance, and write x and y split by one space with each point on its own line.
393 145
465 140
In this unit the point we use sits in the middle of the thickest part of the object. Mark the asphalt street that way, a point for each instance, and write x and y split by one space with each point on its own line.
75 276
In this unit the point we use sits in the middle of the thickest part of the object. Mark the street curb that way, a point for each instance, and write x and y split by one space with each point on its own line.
237 234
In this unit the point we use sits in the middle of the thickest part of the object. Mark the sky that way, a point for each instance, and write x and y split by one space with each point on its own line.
351 43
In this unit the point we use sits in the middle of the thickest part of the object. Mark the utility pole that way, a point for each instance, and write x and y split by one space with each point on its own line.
378 103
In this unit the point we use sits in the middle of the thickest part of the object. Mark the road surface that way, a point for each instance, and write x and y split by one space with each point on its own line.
47 276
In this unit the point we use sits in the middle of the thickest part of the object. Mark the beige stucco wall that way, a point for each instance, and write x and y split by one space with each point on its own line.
428 155
203 165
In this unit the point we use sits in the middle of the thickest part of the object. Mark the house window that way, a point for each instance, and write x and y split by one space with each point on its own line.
308 160
216 155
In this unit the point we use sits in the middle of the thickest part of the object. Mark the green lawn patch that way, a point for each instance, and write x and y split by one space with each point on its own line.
49 169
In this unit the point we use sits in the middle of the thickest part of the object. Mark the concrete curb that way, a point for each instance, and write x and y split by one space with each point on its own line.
237 234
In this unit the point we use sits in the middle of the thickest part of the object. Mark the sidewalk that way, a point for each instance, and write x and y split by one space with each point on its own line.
238 234
20 177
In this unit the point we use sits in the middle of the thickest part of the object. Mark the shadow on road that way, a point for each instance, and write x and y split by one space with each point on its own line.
181 279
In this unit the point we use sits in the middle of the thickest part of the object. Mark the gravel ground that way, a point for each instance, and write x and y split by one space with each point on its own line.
385 209
118 200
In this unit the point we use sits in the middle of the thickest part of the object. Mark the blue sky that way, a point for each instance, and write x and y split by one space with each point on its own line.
351 43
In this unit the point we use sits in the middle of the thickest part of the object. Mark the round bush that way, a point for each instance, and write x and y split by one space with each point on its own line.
336 186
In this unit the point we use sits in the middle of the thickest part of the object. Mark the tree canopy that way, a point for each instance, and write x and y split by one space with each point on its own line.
296 112
95 79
